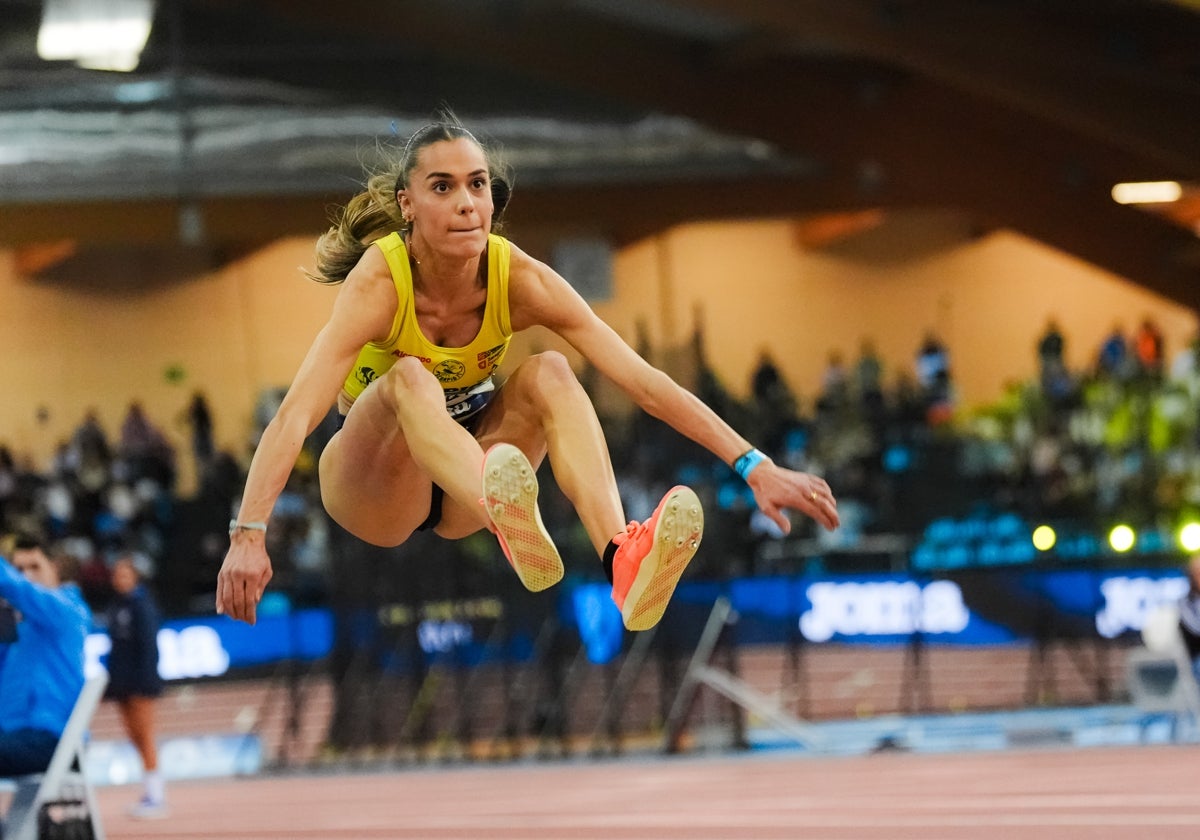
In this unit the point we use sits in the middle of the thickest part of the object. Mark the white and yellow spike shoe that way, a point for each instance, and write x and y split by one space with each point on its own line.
510 492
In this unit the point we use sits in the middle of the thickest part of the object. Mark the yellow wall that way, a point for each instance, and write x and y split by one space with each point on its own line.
75 347
247 326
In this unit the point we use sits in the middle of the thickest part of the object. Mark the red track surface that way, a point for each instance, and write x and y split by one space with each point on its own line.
1147 792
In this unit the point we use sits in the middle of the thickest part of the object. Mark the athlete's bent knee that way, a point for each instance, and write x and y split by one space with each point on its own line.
409 374
553 370
408 379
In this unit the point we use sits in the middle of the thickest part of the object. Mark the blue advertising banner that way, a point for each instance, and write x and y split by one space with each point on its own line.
969 607
976 607
210 646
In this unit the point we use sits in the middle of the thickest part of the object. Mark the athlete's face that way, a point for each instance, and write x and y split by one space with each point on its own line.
449 199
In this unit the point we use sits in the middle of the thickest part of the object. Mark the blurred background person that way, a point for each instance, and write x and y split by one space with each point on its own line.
198 417
41 670
1148 349
134 683
1189 614
1112 360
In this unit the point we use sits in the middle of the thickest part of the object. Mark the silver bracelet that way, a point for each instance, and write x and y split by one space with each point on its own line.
234 525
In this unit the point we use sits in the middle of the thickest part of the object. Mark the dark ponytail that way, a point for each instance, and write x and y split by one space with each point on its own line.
501 193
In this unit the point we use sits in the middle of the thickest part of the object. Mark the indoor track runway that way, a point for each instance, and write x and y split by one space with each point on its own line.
1103 792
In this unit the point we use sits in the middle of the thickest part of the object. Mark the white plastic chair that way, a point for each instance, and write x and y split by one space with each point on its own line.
1160 676
64 777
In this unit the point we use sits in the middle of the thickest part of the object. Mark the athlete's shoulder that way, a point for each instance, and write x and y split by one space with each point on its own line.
521 263
373 266
388 243
370 295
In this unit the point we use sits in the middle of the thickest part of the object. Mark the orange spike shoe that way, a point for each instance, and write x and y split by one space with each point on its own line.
652 556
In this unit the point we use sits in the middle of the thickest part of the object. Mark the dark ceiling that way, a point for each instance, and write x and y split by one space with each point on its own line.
626 116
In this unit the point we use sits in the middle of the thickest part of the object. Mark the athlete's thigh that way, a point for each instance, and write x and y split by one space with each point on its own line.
524 404
509 418
370 484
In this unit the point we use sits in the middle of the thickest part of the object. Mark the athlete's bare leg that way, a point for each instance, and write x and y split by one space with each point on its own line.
376 473
543 409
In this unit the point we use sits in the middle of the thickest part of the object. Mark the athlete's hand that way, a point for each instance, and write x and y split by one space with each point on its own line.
243 576
777 489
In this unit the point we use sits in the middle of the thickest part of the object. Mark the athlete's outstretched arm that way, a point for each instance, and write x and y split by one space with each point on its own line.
363 311
538 295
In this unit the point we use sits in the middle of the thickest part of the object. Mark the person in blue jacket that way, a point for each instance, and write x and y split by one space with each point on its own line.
41 671
133 679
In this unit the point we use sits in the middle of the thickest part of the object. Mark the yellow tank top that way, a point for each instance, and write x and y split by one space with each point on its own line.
466 373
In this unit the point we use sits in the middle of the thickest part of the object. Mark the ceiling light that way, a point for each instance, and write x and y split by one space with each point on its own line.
1147 192
98 34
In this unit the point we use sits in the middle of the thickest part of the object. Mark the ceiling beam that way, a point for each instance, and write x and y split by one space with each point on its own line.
884 135
1118 73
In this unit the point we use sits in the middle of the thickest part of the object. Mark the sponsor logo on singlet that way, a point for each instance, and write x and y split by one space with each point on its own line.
365 375
488 357
400 354
449 370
